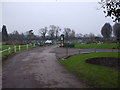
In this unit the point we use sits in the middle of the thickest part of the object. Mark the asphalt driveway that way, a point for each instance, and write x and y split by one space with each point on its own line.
38 68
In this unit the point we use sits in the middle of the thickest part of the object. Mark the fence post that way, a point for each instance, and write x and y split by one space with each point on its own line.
9 50
27 46
34 44
15 49
19 47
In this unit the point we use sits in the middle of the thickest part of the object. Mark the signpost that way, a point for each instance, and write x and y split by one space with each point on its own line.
62 40
62 43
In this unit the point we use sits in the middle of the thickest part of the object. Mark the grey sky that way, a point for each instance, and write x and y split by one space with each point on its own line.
83 17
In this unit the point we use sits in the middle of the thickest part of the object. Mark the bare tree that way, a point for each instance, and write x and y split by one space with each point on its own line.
72 34
116 31
67 32
52 31
51 34
91 36
43 32
57 30
79 35
106 30
14 37
86 35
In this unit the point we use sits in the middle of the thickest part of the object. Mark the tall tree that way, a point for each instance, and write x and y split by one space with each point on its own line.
43 32
112 9
4 34
79 35
91 36
116 31
57 30
106 30
72 34
14 37
67 32
52 31
86 35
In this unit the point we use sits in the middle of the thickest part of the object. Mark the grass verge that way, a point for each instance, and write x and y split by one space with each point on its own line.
93 75
99 46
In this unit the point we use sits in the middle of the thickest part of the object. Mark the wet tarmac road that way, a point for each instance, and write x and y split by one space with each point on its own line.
37 68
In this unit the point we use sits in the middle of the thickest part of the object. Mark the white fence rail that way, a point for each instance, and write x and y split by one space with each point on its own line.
15 48
3 50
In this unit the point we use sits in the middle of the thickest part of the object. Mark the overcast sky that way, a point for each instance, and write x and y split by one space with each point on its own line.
83 17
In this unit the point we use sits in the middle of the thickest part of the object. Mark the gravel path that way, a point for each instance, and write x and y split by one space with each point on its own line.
38 68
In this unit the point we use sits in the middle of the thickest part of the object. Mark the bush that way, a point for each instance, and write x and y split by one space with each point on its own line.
69 45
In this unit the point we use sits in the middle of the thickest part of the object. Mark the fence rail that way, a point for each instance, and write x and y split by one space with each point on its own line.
3 50
16 48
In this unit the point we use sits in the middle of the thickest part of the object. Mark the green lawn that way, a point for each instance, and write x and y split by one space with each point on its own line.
3 47
93 75
100 46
